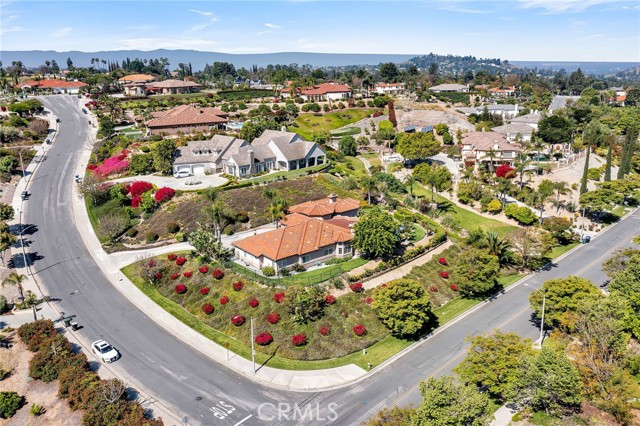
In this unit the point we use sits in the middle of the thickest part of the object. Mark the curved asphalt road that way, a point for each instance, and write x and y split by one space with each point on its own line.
194 386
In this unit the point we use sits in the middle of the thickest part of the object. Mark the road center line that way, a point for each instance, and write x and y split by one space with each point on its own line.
244 420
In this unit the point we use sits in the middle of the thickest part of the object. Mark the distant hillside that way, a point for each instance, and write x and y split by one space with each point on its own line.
596 68
198 59
453 64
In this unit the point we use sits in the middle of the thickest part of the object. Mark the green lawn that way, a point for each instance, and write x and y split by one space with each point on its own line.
309 123
287 175
346 131
417 233
558 251
374 159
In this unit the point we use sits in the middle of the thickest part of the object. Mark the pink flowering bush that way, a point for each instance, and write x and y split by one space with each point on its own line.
453 287
224 300
264 339
442 261
273 318
218 274
324 330
329 299
237 286
254 303
368 300
238 320
204 291
181 260
298 340
140 187
181 289
360 330
433 289
175 276
278 297
203 269
172 257
157 275
444 274
135 202
164 194
188 274
112 165
207 308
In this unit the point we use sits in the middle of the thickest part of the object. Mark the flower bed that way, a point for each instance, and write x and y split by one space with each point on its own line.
278 297
264 339
324 330
360 330
175 276
298 340
204 291
273 318
224 300
207 308
453 287
329 299
442 261
172 257
218 274
238 320
237 286
181 289
187 274
254 303
357 287
444 274
181 260
203 269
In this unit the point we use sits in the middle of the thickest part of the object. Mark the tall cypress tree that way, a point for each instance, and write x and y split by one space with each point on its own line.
585 173
628 149
607 169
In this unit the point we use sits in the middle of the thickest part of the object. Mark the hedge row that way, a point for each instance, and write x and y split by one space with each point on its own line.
103 402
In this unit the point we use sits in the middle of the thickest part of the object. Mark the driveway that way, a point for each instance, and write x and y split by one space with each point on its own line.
178 184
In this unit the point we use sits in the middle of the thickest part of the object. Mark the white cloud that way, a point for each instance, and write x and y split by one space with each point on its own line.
200 27
272 26
200 12
14 29
62 32
566 6
151 43
463 10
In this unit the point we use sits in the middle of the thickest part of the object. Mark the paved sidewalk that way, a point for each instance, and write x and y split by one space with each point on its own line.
503 416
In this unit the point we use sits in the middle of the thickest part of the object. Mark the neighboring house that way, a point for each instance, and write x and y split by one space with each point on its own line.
489 147
498 92
512 130
172 87
327 208
307 242
449 88
389 88
321 92
136 78
273 150
504 110
559 102
187 119
54 85
530 119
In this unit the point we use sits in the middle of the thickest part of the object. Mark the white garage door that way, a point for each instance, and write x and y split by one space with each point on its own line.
198 170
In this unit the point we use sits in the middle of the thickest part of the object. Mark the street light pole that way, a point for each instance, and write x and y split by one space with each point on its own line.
253 350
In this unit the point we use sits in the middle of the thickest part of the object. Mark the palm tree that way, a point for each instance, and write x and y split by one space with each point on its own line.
521 165
217 210
278 209
538 200
561 188
491 153
410 180
15 279
499 247
369 184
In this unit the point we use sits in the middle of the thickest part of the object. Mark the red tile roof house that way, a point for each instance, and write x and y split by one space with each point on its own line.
187 119
172 87
308 240
477 145
389 88
55 85
322 92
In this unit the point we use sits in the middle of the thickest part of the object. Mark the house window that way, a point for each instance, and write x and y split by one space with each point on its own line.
339 250
320 160
305 258
244 170
328 251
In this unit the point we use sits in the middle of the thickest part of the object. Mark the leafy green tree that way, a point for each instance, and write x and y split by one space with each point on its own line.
555 129
389 72
208 246
10 402
6 212
416 146
626 284
376 233
438 177
403 306
163 156
392 416
8 164
441 128
620 260
348 145
448 403
253 129
476 272
548 381
305 303
141 164
563 296
493 362
601 199
609 139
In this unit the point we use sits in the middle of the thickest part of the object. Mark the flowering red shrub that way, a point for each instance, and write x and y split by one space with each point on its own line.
172 257
237 286
469 163
218 274
384 285
444 274
204 291
360 330
325 330
357 287
181 260
298 340
164 194
433 288
181 289
207 308
92 167
506 171
157 275
278 297
254 302
224 300
237 320
188 274
203 269
442 261
264 339
368 300
273 318
329 299
140 187
453 287
175 276
135 202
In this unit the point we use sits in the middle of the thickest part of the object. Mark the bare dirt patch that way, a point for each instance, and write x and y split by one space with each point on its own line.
418 114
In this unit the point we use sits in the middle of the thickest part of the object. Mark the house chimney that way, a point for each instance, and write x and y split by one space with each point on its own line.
332 198
496 146
251 160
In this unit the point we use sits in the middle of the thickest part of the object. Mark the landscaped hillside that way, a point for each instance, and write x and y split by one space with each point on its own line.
308 124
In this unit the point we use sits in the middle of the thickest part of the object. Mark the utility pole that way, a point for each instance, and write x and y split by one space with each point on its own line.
253 350
21 163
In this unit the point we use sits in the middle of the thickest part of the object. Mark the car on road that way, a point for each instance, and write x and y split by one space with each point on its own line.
24 195
84 110
182 174
105 351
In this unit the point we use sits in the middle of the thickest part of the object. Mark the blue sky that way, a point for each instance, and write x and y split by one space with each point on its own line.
558 30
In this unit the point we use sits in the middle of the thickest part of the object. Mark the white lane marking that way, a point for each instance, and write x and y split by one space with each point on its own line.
61 181
171 373
244 420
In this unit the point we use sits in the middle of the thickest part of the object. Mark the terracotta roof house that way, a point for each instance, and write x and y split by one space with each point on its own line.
322 92
172 87
389 88
187 119
55 85
273 150
477 146
512 130
327 208
136 78
449 88
308 242
502 93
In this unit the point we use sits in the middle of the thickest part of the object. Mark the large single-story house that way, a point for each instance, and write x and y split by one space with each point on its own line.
136 78
52 84
172 87
273 150
530 119
187 119
505 110
321 92
389 88
512 130
327 208
449 88
489 146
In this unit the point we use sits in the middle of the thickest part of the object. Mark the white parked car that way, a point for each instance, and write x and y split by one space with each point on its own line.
105 351
182 174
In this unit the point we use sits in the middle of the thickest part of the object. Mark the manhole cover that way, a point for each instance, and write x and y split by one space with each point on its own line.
198 398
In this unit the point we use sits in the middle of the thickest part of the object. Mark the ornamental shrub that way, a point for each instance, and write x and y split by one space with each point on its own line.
204 291
494 206
135 202
238 320
207 308
522 214
329 299
164 194
253 302
10 402
181 260
368 300
140 187
273 318
218 274
357 287
157 275
444 274
264 339
506 171
172 257
298 340
278 297
224 300
181 289
453 287
203 269
324 330
187 274
433 289
268 271
360 330
442 261
174 276
237 286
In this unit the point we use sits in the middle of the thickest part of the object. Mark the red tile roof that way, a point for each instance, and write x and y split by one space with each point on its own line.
292 240
485 141
322 89
325 206
51 83
137 78
188 115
